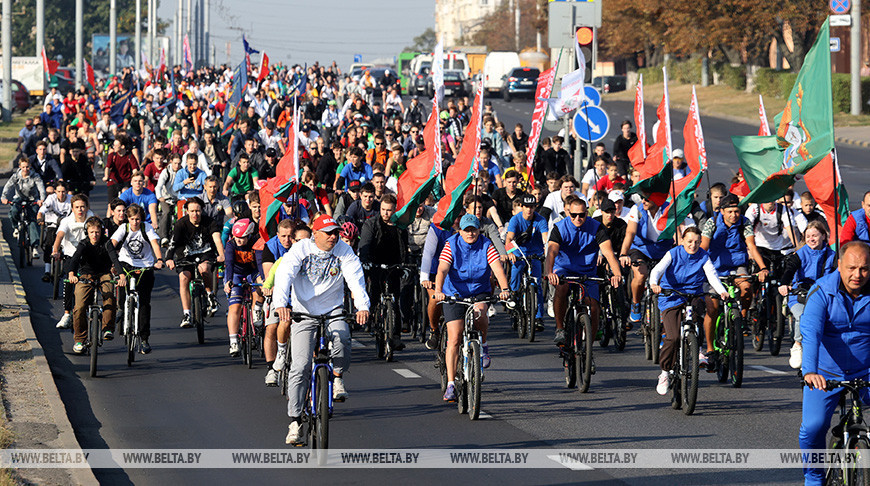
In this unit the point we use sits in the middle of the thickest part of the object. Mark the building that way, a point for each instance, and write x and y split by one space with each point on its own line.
457 18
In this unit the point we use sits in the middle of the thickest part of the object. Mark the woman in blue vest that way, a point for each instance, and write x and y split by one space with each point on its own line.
685 269
435 239
802 268
464 271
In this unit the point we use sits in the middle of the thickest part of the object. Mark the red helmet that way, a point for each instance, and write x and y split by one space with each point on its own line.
243 227
348 231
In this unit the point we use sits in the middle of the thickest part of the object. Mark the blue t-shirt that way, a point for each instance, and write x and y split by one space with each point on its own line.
145 199
363 175
518 225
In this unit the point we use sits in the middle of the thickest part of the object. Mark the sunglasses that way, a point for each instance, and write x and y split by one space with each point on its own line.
577 215
378 144
332 233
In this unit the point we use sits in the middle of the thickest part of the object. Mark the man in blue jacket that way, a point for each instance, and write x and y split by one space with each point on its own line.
836 344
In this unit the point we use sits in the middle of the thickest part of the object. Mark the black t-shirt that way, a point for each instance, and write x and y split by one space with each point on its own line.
91 259
504 204
189 241
133 125
110 226
326 168
616 232
621 145
521 143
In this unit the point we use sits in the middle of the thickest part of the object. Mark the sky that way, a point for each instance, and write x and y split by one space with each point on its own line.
300 32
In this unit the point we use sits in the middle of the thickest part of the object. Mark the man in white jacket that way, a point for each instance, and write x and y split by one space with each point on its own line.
310 278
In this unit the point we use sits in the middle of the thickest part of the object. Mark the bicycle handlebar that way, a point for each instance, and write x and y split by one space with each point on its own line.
580 279
470 301
853 385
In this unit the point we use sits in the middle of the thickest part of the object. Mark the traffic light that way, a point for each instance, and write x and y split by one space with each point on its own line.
587 39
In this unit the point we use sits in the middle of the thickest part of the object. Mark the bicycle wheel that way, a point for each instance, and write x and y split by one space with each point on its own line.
461 391
860 476
735 360
378 329
834 473
518 316
646 325
28 252
532 301
690 374
441 355
474 382
129 316
583 353
605 322
567 351
389 327
321 413
55 278
656 330
245 336
722 325
22 245
619 336
777 329
94 326
197 317
758 324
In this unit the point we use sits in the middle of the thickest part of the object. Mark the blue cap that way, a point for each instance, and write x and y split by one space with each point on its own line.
469 220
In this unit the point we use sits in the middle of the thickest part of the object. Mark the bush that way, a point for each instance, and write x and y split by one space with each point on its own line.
841 88
651 75
686 72
733 76
767 83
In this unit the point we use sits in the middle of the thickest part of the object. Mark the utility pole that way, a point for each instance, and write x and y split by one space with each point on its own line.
178 34
113 39
40 26
6 38
855 58
206 41
138 53
80 44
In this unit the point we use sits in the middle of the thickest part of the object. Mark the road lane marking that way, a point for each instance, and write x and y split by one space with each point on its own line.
484 415
406 373
768 370
575 466
354 344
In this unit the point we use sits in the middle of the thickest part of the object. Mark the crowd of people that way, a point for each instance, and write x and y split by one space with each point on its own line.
182 183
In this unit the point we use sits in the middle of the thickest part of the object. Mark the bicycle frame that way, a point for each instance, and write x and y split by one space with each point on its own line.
131 323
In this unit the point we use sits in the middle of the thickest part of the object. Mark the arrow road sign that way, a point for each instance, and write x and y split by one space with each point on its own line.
592 95
591 123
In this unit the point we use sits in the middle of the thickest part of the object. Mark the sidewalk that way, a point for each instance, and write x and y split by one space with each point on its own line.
32 406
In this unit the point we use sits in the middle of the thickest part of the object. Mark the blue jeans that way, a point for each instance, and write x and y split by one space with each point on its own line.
519 268
30 210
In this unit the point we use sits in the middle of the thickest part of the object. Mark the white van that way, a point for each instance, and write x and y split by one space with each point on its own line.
496 66
453 61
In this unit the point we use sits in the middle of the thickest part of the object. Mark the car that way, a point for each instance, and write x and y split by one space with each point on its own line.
609 84
419 82
521 81
456 83
496 66
20 96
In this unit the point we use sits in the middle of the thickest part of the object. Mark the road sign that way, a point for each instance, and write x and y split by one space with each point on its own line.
840 6
835 44
840 20
564 16
591 123
357 58
593 97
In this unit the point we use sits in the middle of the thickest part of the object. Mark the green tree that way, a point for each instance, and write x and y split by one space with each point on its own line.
424 42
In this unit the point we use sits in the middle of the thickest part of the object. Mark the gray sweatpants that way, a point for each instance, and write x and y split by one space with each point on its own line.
302 343
797 310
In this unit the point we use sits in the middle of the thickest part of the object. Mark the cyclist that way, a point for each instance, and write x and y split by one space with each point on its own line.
118 216
70 231
464 268
529 231
774 235
167 196
349 234
194 235
311 276
135 245
835 327
435 240
801 269
241 179
91 260
139 195
217 206
572 250
24 185
856 225
189 181
55 208
243 263
273 250
729 239
684 268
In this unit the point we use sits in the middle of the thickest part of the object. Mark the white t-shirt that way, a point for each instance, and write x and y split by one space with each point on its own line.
623 215
73 232
766 232
652 231
53 210
136 250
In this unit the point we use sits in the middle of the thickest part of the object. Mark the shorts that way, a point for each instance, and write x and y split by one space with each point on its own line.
186 263
591 287
236 292
456 312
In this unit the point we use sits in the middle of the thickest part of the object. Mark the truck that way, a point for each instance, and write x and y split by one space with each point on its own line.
29 71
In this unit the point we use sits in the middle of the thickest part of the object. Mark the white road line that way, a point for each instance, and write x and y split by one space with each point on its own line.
354 344
406 373
575 466
768 370
484 415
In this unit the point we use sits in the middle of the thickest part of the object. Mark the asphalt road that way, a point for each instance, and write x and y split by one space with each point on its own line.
184 395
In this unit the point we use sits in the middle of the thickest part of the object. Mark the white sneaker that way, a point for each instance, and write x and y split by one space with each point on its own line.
35 253
164 241
15 234
664 383
338 391
491 311
64 322
235 349
550 311
280 359
271 378
796 356
293 433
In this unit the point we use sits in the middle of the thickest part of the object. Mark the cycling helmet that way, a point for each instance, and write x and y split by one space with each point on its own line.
348 231
243 227
241 209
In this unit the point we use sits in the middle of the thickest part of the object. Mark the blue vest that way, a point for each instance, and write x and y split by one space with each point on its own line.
727 246
685 273
653 249
578 252
442 238
860 218
276 247
469 274
815 264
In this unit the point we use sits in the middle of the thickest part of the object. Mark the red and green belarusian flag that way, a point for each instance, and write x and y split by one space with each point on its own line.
460 175
655 175
50 68
420 176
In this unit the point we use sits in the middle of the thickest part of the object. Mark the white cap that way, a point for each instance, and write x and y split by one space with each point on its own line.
616 196
679 153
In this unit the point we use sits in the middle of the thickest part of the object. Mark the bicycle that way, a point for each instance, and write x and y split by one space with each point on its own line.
25 253
95 323
319 409
198 298
386 310
728 334
130 328
850 436
56 269
469 373
217 275
685 369
526 308
613 305
766 316
651 323
576 354
250 334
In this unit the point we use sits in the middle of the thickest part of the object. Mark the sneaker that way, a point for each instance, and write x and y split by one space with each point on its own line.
539 324
46 277
635 313
664 383
280 359
491 311
64 322
432 342
485 360
702 358
592 368
450 393
15 233
235 350
712 359
550 311
186 322
338 391
397 344
213 304
79 348
145 348
561 337
34 252
293 433
796 356
108 335
271 377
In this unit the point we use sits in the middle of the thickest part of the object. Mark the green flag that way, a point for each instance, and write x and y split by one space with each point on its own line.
804 130
657 184
685 190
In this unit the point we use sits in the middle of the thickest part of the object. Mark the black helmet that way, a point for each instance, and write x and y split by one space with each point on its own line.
241 209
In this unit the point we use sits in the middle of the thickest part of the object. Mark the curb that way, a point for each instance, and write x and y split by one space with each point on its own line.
849 141
66 435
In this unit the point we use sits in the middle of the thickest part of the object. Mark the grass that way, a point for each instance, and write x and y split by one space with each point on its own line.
6 437
10 130
723 100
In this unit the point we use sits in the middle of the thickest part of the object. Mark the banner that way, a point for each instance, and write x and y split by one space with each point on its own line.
637 153
570 96
542 94
264 68
764 127
438 71
235 98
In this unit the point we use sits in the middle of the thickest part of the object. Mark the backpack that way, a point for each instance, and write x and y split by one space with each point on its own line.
779 209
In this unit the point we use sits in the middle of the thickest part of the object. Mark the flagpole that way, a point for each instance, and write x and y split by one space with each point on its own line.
674 202
791 224
836 209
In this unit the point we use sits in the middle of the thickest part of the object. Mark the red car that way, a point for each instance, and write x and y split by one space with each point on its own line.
20 96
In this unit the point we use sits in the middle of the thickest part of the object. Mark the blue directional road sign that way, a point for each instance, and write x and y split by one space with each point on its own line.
357 58
840 6
591 123
593 97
